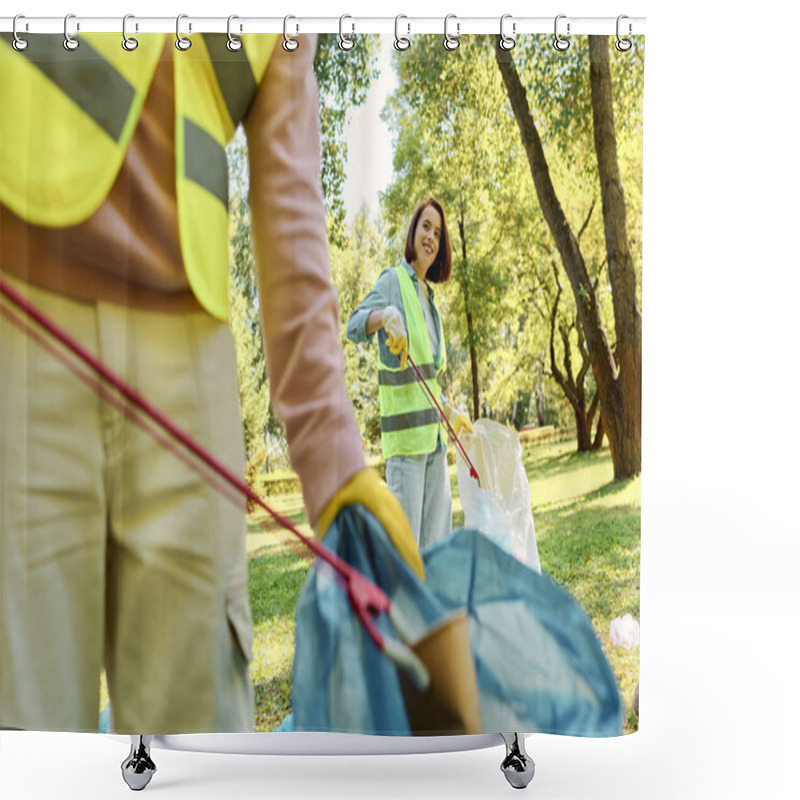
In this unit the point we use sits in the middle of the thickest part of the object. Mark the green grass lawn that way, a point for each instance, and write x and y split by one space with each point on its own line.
588 531
587 528
278 566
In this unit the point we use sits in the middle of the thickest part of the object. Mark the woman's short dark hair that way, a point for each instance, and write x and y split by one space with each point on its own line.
442 266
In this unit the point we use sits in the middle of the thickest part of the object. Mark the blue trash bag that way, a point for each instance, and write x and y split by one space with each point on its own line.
341 681
538 663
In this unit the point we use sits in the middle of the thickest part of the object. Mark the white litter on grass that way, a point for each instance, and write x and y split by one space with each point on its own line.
625 632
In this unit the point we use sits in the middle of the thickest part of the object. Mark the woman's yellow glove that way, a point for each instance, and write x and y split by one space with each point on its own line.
396 336
459 421
365 488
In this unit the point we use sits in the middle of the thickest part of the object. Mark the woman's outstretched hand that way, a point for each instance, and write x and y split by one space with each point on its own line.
459 422
396 336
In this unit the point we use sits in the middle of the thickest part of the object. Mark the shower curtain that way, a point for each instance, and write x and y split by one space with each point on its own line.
257 294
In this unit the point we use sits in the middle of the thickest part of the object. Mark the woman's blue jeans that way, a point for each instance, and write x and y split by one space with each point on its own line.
422 485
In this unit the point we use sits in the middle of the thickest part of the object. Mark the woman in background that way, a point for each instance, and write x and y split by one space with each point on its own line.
401 310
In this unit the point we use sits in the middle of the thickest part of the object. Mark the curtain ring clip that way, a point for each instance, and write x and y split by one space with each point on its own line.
70 42
182 42
128 42
560 44
346 42
451 42
19 43
623 44
234 43
401 42
507 42
290 44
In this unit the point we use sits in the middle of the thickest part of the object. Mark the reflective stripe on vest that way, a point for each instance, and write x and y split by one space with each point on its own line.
409 424
66 119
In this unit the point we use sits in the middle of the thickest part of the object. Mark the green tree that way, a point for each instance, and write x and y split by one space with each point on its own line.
452 140
265 446
575 385
617 369
356 262
343 81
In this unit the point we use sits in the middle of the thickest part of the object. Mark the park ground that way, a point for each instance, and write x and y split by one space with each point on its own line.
588 532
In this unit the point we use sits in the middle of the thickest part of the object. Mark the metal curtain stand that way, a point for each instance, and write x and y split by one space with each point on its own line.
517 766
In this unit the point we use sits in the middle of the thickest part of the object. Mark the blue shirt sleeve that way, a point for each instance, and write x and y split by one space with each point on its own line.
380 297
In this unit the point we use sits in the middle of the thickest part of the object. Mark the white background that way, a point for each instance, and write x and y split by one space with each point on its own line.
720 603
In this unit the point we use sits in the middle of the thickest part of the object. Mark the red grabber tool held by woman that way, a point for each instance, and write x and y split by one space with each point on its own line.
435 403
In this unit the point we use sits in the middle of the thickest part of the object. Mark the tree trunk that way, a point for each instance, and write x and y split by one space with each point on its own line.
627 315
540 418
624 433
573 390
584 431
594 407
599 433
473 355
473 361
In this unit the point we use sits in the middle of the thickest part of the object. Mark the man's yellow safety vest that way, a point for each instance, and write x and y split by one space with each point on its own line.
67 117
409 423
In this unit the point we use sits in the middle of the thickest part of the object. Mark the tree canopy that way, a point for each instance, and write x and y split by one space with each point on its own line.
536 156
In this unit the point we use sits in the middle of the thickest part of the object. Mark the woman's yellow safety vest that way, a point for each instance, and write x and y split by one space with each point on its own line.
409 423
67 117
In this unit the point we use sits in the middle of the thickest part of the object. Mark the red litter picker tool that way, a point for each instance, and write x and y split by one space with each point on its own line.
366 599
435 403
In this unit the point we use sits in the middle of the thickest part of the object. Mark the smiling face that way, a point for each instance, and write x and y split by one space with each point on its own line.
427 247
426 240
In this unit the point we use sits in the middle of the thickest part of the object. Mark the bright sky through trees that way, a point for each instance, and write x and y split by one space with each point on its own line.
369 142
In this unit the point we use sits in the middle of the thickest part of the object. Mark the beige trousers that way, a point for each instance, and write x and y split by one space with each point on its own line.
113 551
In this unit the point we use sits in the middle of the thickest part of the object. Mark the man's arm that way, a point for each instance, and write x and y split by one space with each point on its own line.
298 302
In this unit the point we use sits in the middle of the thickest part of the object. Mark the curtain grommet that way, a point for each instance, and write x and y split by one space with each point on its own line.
182 42
234 43
507 42
290 44
71 43
623 43
128 42
346 43
560 43
18 43
451 42
401 43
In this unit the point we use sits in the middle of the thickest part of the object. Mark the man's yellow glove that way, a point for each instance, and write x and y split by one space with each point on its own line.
459 421
396 336
365 488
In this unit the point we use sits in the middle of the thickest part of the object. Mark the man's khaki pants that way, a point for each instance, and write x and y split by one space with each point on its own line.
114 551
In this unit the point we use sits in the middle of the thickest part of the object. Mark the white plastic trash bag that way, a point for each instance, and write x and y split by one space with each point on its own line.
501 507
